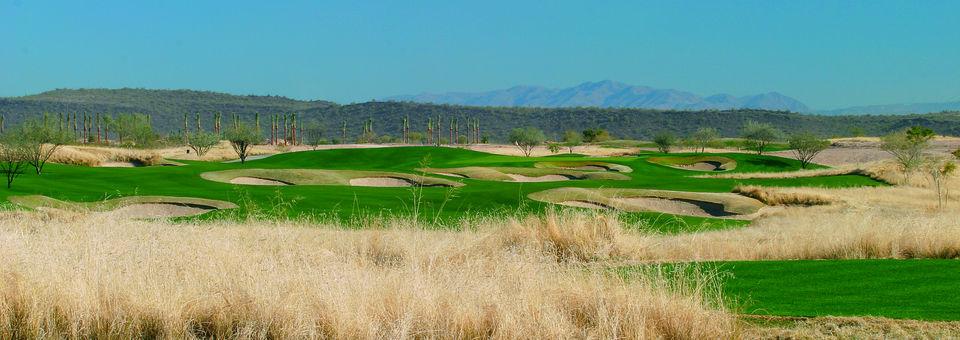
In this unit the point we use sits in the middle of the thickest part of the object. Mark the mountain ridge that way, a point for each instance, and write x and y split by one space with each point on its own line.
168 107
608 94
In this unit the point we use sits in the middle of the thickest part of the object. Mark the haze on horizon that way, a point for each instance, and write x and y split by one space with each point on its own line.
827 54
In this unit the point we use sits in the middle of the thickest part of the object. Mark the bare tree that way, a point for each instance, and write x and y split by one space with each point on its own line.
40 140
13 157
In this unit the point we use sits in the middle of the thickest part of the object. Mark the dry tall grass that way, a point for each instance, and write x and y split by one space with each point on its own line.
99 277
221 152
97 156
778 196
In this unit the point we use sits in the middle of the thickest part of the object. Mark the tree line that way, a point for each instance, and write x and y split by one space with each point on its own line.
167 107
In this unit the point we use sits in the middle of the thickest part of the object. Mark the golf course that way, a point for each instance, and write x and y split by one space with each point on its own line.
672 195
445 182
472 170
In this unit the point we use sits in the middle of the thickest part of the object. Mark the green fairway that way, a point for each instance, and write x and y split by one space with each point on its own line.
903 289
908 289
76 183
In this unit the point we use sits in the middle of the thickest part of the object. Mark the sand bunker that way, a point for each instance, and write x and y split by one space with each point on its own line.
676 206
545 178
380 182
451 175
300 177
697 163
585 166
256 181
249 158
725 205
113 164
591 168
704 166
585 204
158 210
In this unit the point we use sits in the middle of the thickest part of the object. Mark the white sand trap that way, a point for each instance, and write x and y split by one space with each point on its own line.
546 178
256 181
704 166
113 164
157 210
450 174
672 206
584 204
380 182
591 168
249 158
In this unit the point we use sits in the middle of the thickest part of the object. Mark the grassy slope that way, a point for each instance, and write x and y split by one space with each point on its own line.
908 289
90 184
902 289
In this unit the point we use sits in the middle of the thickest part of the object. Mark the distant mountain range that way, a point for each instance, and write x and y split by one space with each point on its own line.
608 94
894 109
167 109
611 94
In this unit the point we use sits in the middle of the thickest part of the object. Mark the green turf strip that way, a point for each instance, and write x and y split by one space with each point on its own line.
77 183
903 289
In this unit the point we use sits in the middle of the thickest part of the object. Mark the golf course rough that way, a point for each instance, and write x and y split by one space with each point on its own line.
325 177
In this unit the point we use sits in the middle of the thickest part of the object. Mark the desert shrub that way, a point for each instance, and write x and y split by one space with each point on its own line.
704 137
201 142
758 136
908 147
664 141
806 146
526 139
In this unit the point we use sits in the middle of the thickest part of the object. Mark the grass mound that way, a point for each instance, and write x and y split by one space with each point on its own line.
518 174
585 166
324 177
672 202
130 207
699 163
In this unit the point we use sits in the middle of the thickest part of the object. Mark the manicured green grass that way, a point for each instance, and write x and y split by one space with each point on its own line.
76 183
902 289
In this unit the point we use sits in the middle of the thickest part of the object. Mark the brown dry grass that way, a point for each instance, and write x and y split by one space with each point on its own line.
221 152
98 155
80 276
849 328
780 196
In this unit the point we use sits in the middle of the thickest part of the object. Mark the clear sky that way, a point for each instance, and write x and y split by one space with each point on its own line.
824 53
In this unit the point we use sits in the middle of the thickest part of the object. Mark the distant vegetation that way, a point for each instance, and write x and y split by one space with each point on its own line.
166 110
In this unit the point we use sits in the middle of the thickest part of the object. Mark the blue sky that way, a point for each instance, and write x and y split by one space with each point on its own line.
824 53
